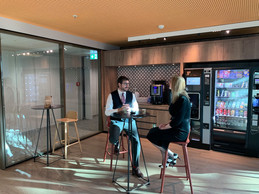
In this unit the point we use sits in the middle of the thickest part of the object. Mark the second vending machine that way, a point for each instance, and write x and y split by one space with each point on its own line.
230 109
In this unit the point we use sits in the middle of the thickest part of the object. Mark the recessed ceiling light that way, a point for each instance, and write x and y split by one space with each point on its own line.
75 16
164 38
161 27
227 31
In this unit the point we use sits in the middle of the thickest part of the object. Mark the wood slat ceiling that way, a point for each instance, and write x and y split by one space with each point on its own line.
113 21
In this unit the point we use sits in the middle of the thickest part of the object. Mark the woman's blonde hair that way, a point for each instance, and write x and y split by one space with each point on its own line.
178 87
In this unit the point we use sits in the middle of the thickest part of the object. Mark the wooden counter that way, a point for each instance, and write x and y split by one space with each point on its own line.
158 115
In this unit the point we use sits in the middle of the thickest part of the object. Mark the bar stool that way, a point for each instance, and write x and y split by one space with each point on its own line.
71 117
106 150
186 164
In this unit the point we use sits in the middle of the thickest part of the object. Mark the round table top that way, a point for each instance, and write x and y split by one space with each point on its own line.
41 107
128 115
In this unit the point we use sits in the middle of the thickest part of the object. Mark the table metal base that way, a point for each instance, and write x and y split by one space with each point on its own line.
48 128
144 180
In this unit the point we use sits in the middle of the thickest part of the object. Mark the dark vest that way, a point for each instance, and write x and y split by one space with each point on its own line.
117 101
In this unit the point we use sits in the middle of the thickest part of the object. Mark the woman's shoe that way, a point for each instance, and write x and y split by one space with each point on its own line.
175 157
161 165
172 163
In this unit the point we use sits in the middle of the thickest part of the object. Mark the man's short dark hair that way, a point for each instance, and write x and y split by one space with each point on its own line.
121 79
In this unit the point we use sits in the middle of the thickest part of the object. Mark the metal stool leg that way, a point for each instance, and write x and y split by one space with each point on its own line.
78 138
53 150
162 174
106 147
66 141
57 132
188 168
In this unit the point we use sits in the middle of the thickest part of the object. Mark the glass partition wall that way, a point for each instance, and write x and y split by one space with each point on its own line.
81 81
31 70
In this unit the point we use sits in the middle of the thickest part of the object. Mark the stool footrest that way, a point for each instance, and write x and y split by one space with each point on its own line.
179 165
73 143
176 176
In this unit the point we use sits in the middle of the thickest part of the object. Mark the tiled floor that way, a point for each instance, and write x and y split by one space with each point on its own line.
212 172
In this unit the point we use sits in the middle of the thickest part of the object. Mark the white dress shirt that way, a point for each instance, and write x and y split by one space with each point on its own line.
109 104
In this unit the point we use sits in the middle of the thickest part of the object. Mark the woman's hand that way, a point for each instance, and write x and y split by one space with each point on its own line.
164 126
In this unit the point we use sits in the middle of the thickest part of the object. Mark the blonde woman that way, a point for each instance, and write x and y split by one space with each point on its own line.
177 128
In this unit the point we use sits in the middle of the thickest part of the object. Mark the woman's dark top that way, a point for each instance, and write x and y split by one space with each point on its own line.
180 124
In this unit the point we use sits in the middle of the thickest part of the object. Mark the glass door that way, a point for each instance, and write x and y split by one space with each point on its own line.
82 88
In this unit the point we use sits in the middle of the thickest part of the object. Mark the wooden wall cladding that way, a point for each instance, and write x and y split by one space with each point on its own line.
218 50
162 55
233 50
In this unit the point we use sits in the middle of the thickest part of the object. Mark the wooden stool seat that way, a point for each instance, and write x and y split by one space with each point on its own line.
71 117
66 120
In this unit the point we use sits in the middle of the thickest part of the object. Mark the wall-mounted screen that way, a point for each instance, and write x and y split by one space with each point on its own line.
194 81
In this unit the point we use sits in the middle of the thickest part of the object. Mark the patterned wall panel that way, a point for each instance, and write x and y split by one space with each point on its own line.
141 77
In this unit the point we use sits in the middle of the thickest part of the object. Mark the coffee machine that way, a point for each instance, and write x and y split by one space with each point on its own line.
159 92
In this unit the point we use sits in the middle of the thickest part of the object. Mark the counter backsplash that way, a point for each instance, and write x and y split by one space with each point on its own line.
141 76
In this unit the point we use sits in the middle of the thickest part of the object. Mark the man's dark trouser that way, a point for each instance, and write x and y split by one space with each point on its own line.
115 129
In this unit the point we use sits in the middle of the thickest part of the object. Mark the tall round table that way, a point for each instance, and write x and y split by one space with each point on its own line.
128 117
48 128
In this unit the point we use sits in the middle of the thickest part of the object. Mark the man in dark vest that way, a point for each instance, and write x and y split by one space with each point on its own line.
124 100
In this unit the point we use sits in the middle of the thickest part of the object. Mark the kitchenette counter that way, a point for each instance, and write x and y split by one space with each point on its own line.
158 115
153 106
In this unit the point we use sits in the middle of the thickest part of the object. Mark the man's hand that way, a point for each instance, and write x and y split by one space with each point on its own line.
124 108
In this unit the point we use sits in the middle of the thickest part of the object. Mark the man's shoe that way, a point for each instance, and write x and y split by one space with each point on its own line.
116 148
137 172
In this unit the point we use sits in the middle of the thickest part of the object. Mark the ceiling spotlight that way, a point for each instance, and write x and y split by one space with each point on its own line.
161 27
164 38
227 31
75 16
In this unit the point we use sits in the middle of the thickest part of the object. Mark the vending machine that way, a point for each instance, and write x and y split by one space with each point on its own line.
230 109
198 85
